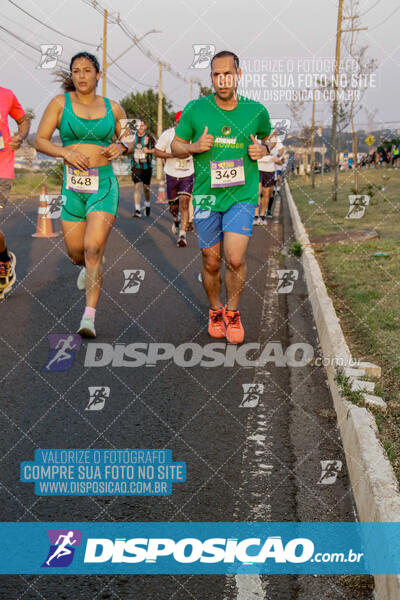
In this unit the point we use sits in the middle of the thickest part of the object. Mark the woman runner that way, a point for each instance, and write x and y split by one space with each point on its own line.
87 123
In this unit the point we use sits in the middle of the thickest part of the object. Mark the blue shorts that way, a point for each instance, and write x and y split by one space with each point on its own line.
211 224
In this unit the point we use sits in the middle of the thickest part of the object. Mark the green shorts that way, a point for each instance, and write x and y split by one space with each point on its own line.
76 205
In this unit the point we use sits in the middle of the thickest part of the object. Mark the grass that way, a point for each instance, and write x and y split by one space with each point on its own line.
28 185
365 289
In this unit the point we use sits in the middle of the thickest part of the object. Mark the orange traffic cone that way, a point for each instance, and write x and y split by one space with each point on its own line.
161 193
44 225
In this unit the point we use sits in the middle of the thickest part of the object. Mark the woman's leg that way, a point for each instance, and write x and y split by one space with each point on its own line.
74 235
99 225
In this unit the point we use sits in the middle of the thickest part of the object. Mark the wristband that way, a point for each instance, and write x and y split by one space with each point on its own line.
126 148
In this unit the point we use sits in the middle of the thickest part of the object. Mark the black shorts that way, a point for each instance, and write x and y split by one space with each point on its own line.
141 176
267 178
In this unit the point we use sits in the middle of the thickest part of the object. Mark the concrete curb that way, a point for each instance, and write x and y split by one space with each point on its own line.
373 481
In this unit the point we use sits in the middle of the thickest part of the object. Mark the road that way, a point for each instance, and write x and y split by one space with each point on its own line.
246 461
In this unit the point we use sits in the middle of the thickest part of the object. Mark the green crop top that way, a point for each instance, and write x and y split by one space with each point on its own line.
77 130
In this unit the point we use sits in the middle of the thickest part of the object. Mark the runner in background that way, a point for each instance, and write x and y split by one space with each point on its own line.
9 106
87 123
141 164
266 167
277 153
179 173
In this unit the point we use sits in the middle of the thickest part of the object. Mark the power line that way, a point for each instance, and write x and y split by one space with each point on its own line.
387 19
17 37
369 10
18 50
52 28
131 77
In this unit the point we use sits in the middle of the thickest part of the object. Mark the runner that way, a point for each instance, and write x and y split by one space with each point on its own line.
266 167
180 179
9 105
87 123
141 167
277 159
222 127
62 550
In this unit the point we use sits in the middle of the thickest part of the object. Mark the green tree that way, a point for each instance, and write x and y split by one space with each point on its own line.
30 114
145 106
204 91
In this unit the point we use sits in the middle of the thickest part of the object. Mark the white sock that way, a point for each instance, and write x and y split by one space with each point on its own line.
137 207
182 232
147 203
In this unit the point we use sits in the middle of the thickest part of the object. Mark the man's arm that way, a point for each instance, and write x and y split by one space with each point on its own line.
183 149
24 125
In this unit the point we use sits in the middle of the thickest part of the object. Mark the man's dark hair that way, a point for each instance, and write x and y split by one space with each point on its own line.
224 53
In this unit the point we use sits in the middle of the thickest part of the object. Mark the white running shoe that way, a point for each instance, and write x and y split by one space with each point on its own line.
181 243
81 281
7 275
86 328
175 227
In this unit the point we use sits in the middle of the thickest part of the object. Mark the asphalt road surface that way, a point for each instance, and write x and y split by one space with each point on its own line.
253 458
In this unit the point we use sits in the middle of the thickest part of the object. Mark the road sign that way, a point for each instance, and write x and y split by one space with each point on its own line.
370 140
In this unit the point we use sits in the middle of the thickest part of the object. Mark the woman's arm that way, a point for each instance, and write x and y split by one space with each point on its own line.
117 149
47 126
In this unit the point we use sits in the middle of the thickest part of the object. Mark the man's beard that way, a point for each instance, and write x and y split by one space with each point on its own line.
233 94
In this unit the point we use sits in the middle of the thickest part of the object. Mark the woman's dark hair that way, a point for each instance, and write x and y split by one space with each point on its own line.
65 77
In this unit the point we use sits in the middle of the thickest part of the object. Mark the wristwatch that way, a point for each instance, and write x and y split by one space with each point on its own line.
124 145
267 147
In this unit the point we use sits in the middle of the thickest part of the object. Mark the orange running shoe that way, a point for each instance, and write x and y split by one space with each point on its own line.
234 328
216 327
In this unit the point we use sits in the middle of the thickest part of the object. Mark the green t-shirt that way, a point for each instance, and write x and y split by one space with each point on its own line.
235 176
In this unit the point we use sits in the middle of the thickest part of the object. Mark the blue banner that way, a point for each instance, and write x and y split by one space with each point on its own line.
199 548
103 472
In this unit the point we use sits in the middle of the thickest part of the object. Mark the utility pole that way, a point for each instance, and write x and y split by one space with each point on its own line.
335 101
312 142
159 115
334 162
105 53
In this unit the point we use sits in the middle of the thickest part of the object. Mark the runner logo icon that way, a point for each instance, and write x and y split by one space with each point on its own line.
251 394
358 204
62 547
133 279
287 279
62 351
330 470
50 54
281 128
203 54
98 396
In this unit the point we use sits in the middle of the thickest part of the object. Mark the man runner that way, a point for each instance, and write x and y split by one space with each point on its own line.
9 105
266 167
180 179
141 165
222 127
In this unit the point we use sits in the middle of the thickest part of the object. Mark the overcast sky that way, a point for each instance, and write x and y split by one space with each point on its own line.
294 31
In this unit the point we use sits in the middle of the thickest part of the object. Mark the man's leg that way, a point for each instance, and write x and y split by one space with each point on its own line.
146 189
184 200
190 224
173 201
257 213
211 274
136 196
264 201
7 259
235 248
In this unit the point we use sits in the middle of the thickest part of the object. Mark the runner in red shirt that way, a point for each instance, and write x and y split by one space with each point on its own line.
9 105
